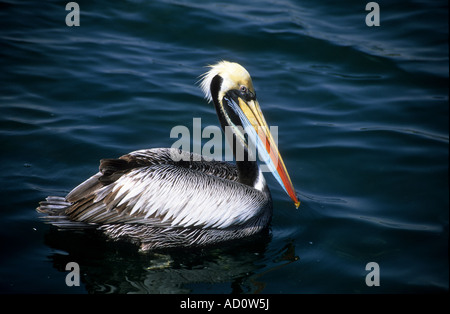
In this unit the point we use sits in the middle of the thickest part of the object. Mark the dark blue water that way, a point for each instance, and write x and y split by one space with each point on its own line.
363 121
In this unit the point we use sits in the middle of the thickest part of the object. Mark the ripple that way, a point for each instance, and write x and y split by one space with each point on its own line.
437 137
390 223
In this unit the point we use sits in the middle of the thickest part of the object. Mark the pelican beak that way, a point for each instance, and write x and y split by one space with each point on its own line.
266 145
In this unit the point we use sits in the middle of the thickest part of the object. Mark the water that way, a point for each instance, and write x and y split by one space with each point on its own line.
363 129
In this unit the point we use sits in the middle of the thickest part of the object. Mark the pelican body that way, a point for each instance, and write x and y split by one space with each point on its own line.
165 197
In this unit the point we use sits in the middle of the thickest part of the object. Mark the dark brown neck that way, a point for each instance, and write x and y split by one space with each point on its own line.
246 163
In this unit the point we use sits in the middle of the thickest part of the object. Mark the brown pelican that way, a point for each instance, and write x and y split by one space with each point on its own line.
165 197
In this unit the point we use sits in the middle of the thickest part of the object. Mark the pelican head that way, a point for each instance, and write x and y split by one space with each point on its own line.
229 86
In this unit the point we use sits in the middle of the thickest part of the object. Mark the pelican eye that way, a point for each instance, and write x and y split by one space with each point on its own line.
245 93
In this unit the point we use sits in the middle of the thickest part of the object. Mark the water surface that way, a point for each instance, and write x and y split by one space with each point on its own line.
362 115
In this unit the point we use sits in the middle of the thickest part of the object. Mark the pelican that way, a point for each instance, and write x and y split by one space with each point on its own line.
165 197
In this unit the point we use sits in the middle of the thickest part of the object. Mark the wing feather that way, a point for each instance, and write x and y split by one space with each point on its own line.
148 187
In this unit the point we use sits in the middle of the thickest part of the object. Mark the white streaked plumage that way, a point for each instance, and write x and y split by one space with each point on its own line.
145 194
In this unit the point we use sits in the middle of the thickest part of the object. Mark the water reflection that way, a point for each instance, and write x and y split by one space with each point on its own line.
118 267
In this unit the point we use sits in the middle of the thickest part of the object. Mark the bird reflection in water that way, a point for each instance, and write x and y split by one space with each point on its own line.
117 267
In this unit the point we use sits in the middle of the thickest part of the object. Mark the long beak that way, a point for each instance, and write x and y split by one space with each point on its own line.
253 113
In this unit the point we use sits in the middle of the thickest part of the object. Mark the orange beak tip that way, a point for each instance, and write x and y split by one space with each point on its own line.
297 204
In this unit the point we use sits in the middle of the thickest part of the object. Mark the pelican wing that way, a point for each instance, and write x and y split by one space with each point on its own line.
149 187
